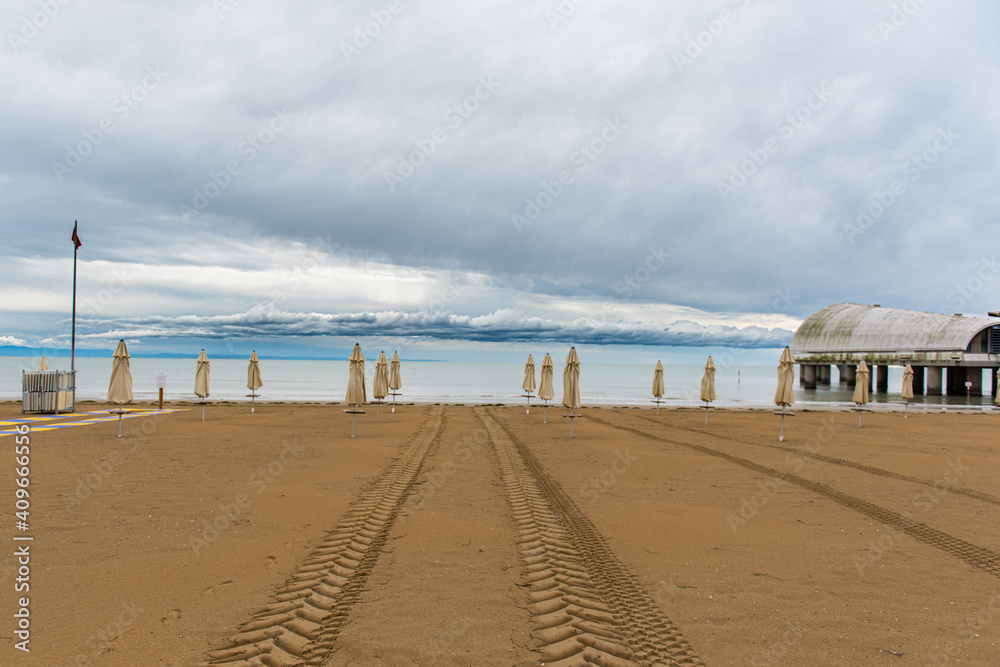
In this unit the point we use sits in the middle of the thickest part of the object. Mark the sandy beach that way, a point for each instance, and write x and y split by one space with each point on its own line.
464 535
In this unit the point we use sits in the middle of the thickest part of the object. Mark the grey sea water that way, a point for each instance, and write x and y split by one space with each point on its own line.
451 382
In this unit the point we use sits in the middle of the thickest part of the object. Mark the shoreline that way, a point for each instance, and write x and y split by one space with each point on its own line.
803 406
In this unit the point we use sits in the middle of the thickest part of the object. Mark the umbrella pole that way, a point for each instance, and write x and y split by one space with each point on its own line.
119 421
378 411
706 412
782 436
352 424
203 409
859 417
906 405
394 404
253 399
571 422
545 414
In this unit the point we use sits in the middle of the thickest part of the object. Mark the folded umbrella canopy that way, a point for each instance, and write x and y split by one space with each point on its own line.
708 385
201 381
658 389
907 388
120 389
861 388
784 396
356 393
395 380
380 386
571 386
545 390
253 379
42 364
529 381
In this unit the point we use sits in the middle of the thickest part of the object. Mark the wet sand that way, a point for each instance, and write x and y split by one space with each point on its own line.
461 535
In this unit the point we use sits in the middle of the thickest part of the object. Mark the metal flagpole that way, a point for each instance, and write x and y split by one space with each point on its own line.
72 354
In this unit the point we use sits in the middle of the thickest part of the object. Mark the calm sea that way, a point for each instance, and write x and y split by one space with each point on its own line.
451 382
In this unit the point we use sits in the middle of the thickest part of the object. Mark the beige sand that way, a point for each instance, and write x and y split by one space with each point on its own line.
461 536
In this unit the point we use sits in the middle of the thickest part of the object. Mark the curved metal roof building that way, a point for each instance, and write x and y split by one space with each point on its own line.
850 332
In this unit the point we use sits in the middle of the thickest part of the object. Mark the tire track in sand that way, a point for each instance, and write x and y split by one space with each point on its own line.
872 470
978 557
300 625
587 607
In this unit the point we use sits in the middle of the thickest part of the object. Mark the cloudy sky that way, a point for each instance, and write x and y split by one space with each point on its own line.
293 176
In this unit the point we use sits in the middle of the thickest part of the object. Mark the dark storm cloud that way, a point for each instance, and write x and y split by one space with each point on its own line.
267 321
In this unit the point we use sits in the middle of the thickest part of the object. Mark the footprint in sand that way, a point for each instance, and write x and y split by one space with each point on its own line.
270 562
212 589
172 616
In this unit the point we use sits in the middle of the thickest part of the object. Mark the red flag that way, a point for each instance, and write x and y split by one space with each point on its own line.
76 238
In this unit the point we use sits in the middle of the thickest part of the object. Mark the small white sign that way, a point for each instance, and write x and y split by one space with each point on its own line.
161 380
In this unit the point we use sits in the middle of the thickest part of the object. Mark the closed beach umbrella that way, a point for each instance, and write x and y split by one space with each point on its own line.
571 380
395 379
996 399
201 376
907 387
120 389
201 381
708 385
529 381
43 365
861 389
380 386
545 390
253 379
253 373
658 389
784 395
571 385
356 393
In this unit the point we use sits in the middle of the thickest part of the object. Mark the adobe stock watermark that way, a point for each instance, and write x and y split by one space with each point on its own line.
223 7
633 282
247 151
562 13
629 285
581 159
454 116
786 127
964 291
121 109
32 25
775 653
901 14
968 630
768 488
593 488
368 32
913 169
230 513
432 481
924 502
714 29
